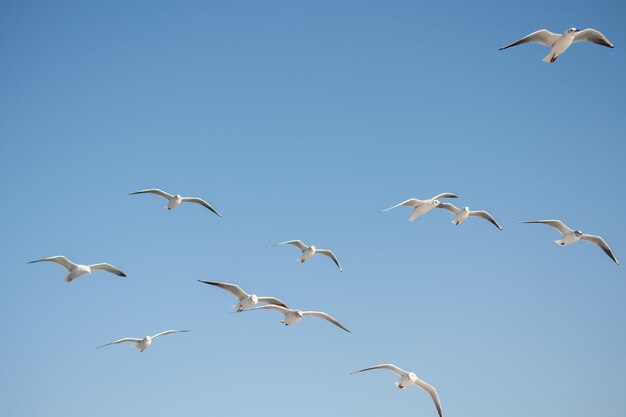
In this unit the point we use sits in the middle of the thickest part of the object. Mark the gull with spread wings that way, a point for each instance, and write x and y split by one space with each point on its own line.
407 379
294 316
143 343
77 270
572 236
559 43
244 300
174 201
421 207
308 251
460 215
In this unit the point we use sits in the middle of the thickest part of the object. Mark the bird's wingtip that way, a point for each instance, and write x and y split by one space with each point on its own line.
123 274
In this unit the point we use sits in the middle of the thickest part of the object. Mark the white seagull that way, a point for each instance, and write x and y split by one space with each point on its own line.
571 236
559 43
308 251
421 207
144 343
406 379
294 316
174 201
77 270
462 214
244 299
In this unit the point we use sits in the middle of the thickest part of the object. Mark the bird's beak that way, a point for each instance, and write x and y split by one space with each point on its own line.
577 30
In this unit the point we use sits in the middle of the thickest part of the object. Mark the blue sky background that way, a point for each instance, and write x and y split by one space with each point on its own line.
300 120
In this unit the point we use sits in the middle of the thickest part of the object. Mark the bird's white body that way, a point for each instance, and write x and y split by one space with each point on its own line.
424 208
77 271
406 379
174 202
561 45
569 238
292 317
461 216
307 253
144 343
247 302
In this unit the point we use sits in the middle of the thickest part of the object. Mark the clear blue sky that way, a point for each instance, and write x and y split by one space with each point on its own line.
300 120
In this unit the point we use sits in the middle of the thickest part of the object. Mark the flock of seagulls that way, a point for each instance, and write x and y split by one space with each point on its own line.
249 302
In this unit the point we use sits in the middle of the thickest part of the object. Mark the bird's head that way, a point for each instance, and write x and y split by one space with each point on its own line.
412 377
578 233
572 30
254 299
313 247
298 314
436 203
178 197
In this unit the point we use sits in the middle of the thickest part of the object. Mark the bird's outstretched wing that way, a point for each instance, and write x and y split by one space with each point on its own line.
592 35
542 36
278 308
61 260
231 288
272 300
433 394
389 366
330 255
201 202
444 195
325 316
108 268
602 243
411 202
166 332
154 191
450 207
557 224
296 243
484 215
126 339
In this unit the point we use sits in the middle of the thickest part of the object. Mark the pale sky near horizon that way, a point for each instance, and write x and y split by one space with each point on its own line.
301 120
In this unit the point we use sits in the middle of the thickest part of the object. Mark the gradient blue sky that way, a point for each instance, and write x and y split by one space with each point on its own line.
300 120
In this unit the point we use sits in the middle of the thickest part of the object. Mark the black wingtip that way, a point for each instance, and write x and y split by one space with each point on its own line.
121 274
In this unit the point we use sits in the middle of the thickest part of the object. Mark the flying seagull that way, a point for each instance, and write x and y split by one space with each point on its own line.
77 270
559 43
571 236
142 344
308 251
421 207
244 299
294 316
462 214
406 379
175 200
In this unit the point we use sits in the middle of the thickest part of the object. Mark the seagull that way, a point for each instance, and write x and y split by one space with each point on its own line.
294 316
421 206
560 43
244 299
406 379
142 344
464 213
77 270
175 200
308 251
571 236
